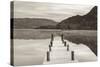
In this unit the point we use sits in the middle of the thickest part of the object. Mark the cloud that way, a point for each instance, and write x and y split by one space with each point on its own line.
53 11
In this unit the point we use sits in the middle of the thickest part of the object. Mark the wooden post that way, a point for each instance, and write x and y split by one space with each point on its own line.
51 43
49 47
48 56
65 43
67 47
62 38
52 37
72 55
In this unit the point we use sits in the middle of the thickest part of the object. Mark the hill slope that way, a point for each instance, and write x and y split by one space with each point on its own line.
86 22
30 23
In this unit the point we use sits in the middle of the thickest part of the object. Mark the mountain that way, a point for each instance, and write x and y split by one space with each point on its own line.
30 23
86 22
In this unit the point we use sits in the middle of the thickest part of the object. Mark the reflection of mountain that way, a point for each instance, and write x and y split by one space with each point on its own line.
87 22
30 23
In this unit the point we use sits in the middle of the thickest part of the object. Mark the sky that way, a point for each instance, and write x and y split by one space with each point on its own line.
53 11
